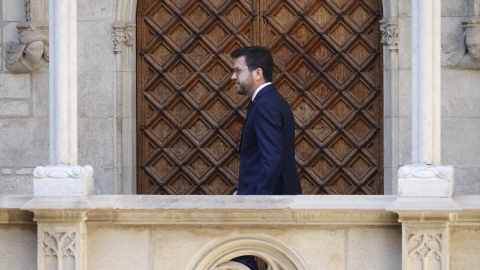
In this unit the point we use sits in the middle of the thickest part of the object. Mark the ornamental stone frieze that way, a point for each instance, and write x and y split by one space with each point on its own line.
390 32
31 52
123 34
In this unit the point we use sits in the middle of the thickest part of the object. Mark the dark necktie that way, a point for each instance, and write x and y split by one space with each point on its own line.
249 110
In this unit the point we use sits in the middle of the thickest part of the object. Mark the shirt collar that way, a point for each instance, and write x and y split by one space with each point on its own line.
258 90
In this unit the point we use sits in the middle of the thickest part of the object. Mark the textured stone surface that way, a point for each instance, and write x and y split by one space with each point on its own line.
16 184
18 248
25 142
117 248
460 143
14 85
382 244
467 181
13 10
14 108
463 244
455 8
96 142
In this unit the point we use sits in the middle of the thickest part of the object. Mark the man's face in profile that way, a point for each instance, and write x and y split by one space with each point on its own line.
243 77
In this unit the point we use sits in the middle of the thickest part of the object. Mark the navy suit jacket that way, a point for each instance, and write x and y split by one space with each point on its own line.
267 150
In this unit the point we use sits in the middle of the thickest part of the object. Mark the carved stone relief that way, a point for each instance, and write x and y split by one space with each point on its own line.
463 50
31 52
424 251
122 34
390 31
59 248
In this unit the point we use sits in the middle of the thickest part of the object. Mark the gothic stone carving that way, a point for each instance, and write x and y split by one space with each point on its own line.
424 251
463 51
32 51
390 33
122 34
59 248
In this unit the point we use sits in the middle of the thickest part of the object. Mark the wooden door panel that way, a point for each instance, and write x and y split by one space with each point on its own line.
329 69
327 57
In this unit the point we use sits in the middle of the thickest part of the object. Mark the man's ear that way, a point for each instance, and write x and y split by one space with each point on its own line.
258 74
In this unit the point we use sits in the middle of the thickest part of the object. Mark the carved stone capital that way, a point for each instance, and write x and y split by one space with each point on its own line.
123 34
63 180
32 51
425 180
390 32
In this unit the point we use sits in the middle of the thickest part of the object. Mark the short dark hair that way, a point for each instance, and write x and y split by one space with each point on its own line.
257 57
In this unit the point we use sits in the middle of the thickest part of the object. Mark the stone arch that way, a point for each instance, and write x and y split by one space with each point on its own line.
216 255
125 12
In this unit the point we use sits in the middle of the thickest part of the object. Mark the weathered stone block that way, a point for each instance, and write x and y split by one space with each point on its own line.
455 8
94 10
18 248
460 93
467 181
25 142
96 94
464 248
405 44
96 142
40 86
14 108
384 248
14 85
99 54
13 10
120 248
460 143
16 184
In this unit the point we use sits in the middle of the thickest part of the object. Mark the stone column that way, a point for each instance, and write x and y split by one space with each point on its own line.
425 187
63 177
426 176
60 189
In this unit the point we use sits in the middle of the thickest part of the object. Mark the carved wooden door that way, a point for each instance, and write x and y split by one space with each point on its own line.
328 65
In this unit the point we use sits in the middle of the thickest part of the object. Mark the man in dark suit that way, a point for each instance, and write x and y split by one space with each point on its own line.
267 148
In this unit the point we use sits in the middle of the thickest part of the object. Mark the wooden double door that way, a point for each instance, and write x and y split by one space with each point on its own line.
328 66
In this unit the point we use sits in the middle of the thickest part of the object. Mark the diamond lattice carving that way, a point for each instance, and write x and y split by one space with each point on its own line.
321 15
341 33
341 148
190 116
217 34
180 110
283 16
322 129
304 148
198 128
180 148
360 128
359 52
199 166
360 166
359 15
198 90
340 186
162 129
218 184
198 15
199 53
180 72
236 15
181 184
303 109
179 34
161 54
360 91
341 109
302 33
163 165
218 147
322 167
341 72
160 14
